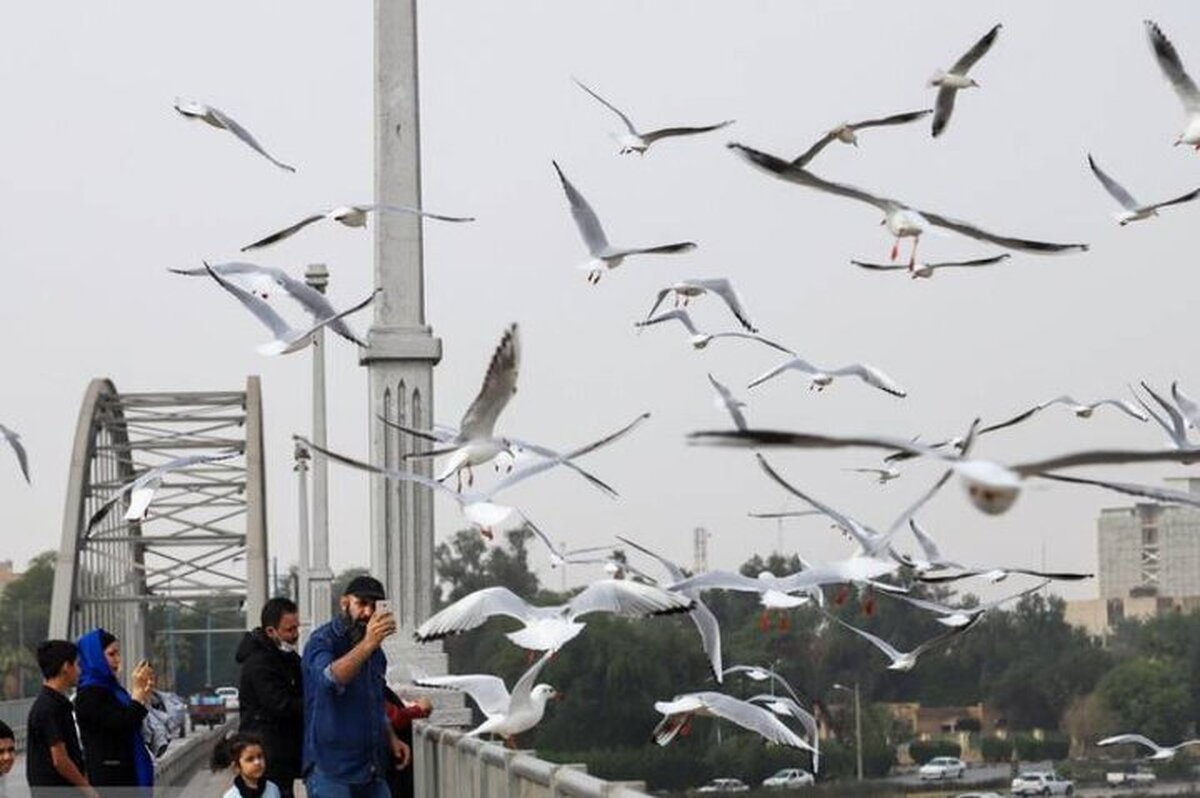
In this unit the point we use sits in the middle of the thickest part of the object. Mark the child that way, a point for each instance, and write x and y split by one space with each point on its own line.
244 754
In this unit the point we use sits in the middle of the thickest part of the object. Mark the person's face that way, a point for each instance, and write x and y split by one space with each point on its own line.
8 754
252 763
70 673
358 612
113 655
288 630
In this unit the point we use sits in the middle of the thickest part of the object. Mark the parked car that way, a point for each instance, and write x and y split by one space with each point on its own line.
1127 778
942 767
230 696
978 795
206 709
789 777
725 785
175 709
1042 783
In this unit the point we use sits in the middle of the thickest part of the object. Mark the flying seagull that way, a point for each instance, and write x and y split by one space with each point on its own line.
995 575
285 338
350 216
1173 423
218 119
142 489
1159 753
1177 76
882 475
1134 210
950 81
725 400
847 132
678 713
906 660
633 140
686 290
560 557
699 339
1080 409
1187 406
932 558
926 269
14 440
902 220
604 255
819 378
955 617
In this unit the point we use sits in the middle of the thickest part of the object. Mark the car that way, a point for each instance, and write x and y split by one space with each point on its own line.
230 696
207 709
978 795
175 710
942 767
725 785
789 777
1042 783
1129 778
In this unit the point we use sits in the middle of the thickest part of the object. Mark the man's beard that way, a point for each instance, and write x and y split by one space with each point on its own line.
358 629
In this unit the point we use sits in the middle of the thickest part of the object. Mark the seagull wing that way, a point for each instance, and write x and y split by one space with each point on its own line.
803 158
793 708
485 690
1056 576
1114 188
1187 406
950 264
313 301
977 51
628 599
724 289
1017 419
721 580
881 644
388 473
754 337
524 687
932 606
499 385
14 440
971 231
881 267
867 540
233 127
1177 430
266 314
871 376
628 124
560 459
1105 457
732 405
944 636
1130 489
472 610
585 218
786 171
805 440
286 232
658 300
436 436
753 718
668 132
997 602
678 314
796 363
943 108
894 119
928 545
1137 739
1126 407
417 212
1172 67
1188 197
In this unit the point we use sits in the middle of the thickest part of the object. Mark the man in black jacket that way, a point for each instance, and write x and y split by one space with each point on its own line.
271 693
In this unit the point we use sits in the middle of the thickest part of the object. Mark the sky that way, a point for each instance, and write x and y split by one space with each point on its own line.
104 187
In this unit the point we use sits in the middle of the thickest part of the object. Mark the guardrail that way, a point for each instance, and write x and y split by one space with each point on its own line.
14 714
448 764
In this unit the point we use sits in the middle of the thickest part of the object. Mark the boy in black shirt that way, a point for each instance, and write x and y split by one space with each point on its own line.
53 756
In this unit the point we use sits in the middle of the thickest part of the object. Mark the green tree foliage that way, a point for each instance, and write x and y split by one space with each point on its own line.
1150 696
24 622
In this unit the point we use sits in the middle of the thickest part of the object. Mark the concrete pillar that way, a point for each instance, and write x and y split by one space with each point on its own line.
321 575
256 506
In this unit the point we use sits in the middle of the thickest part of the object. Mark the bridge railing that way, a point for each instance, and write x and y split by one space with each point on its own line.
14 713
448 764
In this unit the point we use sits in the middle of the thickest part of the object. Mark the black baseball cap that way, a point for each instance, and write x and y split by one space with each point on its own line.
367 588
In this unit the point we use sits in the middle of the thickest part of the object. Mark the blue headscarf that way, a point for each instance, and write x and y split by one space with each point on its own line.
95 672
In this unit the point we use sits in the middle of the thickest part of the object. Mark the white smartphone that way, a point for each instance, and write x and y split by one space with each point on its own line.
382 606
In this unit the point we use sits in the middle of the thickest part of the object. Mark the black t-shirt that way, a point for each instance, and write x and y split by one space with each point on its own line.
50 721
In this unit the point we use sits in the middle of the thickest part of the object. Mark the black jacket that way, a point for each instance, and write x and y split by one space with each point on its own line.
106 728
271 696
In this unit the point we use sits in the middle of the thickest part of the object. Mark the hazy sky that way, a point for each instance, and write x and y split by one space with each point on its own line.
104 187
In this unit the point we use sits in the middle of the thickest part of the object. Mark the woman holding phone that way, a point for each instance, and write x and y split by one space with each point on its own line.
110 718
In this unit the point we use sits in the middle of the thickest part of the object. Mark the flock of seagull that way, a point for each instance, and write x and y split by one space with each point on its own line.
630 592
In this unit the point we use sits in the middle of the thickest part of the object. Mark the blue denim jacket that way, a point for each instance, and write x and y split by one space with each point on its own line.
345 734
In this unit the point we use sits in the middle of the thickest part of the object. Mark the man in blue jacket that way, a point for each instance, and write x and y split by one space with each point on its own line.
348 743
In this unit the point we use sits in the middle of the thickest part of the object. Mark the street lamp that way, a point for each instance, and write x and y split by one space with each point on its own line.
857 726
302 457
320 575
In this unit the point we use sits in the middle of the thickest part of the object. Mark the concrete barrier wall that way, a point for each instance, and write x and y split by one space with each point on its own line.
176 768
448 764
14 714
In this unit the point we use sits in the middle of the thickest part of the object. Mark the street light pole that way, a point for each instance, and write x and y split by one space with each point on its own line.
320 576
858 754
302 457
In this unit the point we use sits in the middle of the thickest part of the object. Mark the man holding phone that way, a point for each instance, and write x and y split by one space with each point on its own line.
348 743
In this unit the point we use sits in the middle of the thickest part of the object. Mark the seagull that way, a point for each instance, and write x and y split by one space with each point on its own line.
262 280
819 378
926 269
1160 754
217 118
786 514
506 715
14 440
949 82
562 557
786 705
1165 495
1080 409
678 714
686 290
996 575
549 628
905 660
726 401
882 475
701 615
858 569
350 216
285 338
143 488
1187 406
634 141
1134 211
479 507
933 559
698 339
1173 423
902 220
1185 87
956 617
605 255
847 132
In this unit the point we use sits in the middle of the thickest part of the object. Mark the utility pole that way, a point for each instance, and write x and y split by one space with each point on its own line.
320 574
208 648
858 754
171 647
303 599
20 648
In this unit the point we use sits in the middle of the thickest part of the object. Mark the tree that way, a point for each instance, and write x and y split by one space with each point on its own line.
1149 696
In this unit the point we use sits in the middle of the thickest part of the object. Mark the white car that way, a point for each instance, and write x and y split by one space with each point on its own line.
789 777
230 696
1042 784
725 785
1130 778
942 767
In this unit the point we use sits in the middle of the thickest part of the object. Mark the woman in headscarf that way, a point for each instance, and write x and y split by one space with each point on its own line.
110 718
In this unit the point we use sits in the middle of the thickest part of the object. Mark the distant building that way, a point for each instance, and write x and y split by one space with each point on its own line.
1149 564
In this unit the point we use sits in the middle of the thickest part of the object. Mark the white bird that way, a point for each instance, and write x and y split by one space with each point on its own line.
218 119
996 575
847 132
14 440
679 712
687 290
1173 423
479 507
1159 753
955 617
142 489
955 78
786 514
699 339
1177 76
1080 409
701 615
350 216
906 660
786 705
560 557
902 220
549 628
633 140
1187 406
819 378
1134 210
506 715
604 255
725 400
932 558
926 269
285 338
858 570
262 280
882 475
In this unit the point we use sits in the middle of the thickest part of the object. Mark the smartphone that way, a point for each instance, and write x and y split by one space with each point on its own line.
383 606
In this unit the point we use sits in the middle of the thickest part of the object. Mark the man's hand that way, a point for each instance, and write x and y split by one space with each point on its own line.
380 627
401 753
